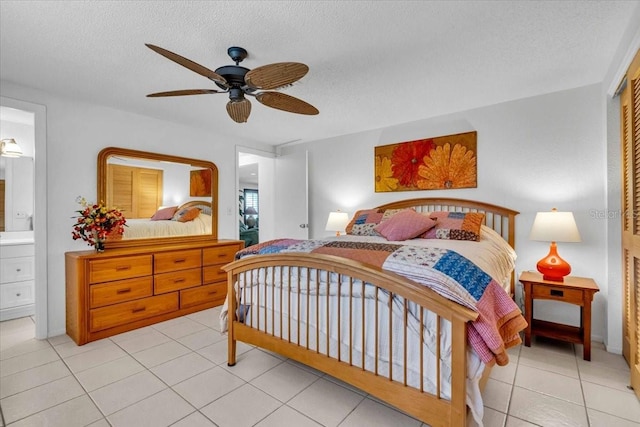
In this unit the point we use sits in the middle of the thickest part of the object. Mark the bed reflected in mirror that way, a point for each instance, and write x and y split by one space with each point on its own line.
164 198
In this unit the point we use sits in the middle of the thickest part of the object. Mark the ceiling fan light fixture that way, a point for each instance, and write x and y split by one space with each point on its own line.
239 110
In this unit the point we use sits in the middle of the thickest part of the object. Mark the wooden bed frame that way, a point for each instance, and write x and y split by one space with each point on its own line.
427 407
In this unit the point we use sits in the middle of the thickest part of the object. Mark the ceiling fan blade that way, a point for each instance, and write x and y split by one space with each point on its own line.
204 71
273 76
285 102
184 92
239 110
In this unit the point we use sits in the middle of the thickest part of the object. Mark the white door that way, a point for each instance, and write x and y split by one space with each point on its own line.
291 207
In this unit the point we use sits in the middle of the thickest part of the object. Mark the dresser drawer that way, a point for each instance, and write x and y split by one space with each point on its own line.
203 294
120 291
213 273
126 312
16 269
219 255
557 293
106 270
16 294
176 280
177 260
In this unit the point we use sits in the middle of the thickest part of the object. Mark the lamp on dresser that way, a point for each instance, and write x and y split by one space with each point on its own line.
554 227
337 222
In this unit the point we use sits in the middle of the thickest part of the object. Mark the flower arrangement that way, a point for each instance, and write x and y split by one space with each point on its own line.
96 223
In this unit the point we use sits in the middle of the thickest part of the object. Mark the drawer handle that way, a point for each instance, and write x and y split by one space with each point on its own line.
182 279
557 293
18 270
138 310
18 294
178 261
123 291
213 292
123 267
222 255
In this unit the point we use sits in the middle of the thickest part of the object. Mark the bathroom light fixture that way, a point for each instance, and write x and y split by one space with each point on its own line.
10 148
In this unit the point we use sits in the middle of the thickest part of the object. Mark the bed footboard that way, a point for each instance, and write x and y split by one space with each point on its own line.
385 334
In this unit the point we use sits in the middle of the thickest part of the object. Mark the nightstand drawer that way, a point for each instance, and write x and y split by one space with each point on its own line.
558 293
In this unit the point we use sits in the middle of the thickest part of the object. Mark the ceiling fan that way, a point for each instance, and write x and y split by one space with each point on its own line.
240 82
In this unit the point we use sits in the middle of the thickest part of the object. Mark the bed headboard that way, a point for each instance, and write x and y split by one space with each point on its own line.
205 207
501 220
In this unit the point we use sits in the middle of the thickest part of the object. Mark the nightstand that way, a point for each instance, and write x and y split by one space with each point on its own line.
574 290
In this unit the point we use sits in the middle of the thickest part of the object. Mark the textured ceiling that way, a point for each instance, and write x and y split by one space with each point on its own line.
372 64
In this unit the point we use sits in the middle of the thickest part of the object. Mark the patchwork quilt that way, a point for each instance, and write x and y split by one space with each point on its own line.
445 271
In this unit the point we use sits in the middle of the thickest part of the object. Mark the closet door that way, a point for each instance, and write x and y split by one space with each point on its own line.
630 135
137 192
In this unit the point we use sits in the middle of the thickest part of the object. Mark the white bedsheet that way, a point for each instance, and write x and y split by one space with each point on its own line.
145 228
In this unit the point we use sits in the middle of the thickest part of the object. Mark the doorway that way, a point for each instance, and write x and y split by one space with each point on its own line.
32 222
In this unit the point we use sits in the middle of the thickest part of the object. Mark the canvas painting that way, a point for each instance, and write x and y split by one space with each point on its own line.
200 183
439 163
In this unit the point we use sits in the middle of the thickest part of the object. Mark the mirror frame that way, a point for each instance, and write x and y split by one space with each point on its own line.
103 157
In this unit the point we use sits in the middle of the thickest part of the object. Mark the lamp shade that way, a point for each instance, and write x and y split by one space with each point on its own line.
337 222
251 211
10 148
554 227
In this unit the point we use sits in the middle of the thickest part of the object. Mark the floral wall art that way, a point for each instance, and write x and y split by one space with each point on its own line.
200 183
440 163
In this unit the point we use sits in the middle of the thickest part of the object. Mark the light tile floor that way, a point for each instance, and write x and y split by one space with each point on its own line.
175 374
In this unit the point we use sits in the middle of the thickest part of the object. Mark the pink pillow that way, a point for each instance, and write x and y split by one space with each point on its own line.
164 213
405 225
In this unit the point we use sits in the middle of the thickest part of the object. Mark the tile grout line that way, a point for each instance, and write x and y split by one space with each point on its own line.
584 399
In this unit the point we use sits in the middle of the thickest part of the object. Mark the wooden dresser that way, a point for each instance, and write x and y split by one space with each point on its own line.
123 289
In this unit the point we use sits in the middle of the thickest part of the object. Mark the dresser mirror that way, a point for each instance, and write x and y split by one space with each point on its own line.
159 195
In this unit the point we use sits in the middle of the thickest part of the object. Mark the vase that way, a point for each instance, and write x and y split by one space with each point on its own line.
99 245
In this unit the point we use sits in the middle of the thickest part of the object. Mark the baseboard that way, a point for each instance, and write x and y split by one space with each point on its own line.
16 312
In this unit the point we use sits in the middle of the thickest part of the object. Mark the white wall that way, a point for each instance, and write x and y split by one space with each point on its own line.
533 154
76 132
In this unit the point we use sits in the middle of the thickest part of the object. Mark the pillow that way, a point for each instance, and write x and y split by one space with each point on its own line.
164 213
363 222
455 226
186 214
405 225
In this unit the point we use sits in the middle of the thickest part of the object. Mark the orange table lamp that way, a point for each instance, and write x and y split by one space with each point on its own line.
554 227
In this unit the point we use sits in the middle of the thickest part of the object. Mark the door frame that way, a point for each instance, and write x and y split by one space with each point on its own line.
39 210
